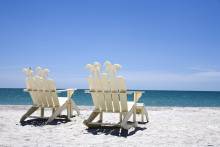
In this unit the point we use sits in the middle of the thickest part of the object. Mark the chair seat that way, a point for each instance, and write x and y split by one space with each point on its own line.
62 100
139 106
130 104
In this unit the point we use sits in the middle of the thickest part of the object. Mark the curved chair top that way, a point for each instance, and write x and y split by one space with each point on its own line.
95 69
111 69
42 72
28 72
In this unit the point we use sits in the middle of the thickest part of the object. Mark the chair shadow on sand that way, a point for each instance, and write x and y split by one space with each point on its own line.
42 121
115 131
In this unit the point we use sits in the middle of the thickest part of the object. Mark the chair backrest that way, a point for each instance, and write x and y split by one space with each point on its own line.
41 89
122 89
47 89
108 91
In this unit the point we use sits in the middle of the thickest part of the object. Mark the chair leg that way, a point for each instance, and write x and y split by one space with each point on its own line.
134 117
92 116
42 112
101 117
68 110
28 113
53 110
71 108
146 114
74 106
120 117
56 113
124 123
142 115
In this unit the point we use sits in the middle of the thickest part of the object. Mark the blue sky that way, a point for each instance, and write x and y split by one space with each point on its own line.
169 45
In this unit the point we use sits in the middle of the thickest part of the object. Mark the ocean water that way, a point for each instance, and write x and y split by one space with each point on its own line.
16 96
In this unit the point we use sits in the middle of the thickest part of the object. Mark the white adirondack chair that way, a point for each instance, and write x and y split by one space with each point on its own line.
44 95
111 71
109 100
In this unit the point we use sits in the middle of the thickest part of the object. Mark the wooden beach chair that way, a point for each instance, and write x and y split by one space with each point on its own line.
44 95
111 70
109 98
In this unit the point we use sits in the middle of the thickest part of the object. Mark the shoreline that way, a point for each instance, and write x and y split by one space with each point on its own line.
168 126
147 107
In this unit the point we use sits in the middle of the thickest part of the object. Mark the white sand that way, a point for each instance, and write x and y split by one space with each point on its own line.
168 127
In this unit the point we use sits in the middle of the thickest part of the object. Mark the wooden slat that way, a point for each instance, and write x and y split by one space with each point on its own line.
45 95
107 94
53 94
123 95
100 95
115 96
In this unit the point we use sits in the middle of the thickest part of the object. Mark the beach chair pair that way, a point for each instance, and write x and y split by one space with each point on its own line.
44 95
108 91
109 94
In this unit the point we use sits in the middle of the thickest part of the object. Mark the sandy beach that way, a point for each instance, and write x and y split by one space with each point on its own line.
168 126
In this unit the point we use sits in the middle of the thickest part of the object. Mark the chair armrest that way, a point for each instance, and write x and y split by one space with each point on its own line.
25 90
87 91
64 90
137 95
69 91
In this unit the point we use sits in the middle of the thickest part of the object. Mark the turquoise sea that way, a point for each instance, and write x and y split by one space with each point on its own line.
16 96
